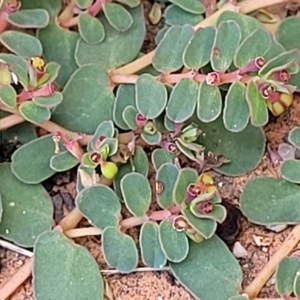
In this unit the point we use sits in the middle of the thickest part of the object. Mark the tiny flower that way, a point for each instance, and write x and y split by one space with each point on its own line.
99 141
266 89
206 207
149 128
95 157
213 78
109 169
171 147
38 64
192 192
253 66
282 76
140 120
179 223
286 151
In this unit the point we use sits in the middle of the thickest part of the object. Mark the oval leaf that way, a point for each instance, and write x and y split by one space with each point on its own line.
91 29
82 280
290 170
152 255
118 17
34 113
151 96
177 110
255 45
168 54
236 110
166 177
22 44
174 244
30 163
119 250
100 205
151 139
257 105
192 6
294 137
8 96
279 194
161 156
29 18
63 161
88 100
50 101
227 40
136 193
209 105
197 53
285 274
27 209
212 255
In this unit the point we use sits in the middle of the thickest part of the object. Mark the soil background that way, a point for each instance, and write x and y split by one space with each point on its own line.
259 242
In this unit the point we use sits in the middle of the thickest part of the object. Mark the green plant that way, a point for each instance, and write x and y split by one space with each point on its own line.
101 101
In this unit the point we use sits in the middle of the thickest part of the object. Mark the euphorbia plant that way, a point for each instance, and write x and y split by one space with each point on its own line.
103 116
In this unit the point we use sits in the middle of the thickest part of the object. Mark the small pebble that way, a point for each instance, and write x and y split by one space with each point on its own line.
239 251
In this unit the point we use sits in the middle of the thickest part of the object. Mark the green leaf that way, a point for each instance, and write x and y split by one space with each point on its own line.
168 54
27 209
275 49
185 177
236 110
206 227
285 59
88 100
129 115
30 163
59 46
13 60
294 137
244 149
118 17
247 24
166 177
34 113
290 170
152 254
288 33
151 96
22 44
285 273
118 48
151 139
174 244
52 69
136 193
125 97
177 110
239 297
1 208
296 285
278 201
53 7
197 53
63 161
130 3
100 205
73 271
8 96
161 156
208 262
119 250
174 15
227 40
91 29
29 18
257 105
255 45
209 105
83 4
24 132
192 6
50 101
